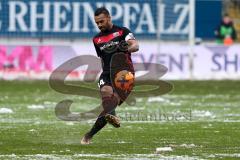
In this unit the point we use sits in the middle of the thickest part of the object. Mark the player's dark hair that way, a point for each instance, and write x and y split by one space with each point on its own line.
101 10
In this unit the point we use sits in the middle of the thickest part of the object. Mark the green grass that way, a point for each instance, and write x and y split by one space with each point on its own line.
205 114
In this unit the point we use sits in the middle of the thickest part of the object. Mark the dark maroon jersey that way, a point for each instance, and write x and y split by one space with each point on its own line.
110 42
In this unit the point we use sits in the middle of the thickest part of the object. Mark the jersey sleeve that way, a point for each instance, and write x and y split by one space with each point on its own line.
98 51
127 34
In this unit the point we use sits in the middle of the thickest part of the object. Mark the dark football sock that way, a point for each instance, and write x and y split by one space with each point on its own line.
99 124
109 104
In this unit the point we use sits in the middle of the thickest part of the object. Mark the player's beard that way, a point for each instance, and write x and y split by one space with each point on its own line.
102 29
106 28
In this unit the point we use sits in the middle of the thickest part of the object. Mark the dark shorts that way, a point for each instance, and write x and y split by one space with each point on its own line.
104 80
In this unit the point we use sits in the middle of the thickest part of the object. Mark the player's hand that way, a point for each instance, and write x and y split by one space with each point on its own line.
123 46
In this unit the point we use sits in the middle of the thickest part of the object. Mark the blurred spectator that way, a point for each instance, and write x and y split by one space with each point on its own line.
225 33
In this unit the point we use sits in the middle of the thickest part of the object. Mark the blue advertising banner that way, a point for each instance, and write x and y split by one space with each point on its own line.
75 18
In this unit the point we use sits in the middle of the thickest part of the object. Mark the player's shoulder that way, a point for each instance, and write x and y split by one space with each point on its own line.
94 39
122 28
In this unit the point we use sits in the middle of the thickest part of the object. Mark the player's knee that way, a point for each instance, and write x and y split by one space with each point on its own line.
117 96
106 91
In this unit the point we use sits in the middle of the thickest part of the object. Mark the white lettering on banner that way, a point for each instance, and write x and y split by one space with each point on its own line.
146 18
60 16
129 15
89 13
77 16
17 18
45 16
161 11
182 16
99 4
174 27
115 6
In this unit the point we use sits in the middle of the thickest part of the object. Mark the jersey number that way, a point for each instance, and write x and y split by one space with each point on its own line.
101 82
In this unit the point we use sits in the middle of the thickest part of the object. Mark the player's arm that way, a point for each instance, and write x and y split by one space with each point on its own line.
98 51
131 41
132 45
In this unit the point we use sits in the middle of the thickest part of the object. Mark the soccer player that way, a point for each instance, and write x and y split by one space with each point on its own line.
111 40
